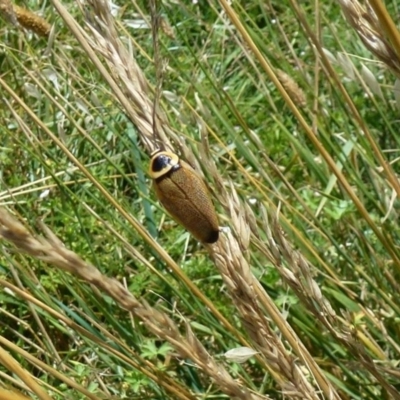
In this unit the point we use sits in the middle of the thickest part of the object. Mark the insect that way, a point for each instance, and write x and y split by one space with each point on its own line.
181 190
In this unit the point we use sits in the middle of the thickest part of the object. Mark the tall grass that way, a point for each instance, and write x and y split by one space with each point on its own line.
289 111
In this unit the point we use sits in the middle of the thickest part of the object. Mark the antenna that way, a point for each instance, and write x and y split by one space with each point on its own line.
155 24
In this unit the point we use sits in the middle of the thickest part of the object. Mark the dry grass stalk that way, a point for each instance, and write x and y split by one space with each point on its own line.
293 89
241 285
128 74
297 272
365 22
52 251
11 395
12 365
229 256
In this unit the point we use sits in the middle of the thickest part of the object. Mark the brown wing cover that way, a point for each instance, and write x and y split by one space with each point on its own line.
185 196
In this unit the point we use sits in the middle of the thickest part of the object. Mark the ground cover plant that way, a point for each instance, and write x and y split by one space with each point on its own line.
289 111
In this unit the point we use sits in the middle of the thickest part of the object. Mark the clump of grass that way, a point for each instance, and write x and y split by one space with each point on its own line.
300 157
52 251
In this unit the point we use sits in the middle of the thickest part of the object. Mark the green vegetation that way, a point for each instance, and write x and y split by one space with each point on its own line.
293 122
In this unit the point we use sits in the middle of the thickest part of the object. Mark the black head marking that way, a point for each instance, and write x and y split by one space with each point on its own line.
161 162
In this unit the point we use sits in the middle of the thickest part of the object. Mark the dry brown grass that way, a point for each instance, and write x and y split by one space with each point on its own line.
371 31
11 395
280 350
228 252
13 366
52 251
